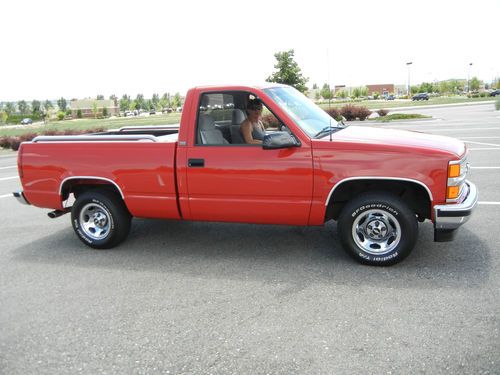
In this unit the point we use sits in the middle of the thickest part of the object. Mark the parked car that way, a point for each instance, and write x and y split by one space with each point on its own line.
421 96
26 121
390 97
308 173
495 92
152 112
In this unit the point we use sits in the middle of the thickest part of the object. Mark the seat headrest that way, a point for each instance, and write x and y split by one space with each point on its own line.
206 122
238 116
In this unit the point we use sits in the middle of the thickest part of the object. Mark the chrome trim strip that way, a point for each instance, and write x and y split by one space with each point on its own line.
466 207
89 178
378 178
153 127
94 138
19 195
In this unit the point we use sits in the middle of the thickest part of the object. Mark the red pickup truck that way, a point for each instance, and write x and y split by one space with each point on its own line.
376 183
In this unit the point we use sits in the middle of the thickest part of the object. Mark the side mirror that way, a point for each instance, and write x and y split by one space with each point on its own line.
279 140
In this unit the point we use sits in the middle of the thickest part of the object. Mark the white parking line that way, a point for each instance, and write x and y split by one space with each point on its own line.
482 143
8 178
12 166
6 196
492 203
485 148
484 167
462 129
480 137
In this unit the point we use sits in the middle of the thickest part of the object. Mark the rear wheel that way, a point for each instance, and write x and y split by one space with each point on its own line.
100 219
378 229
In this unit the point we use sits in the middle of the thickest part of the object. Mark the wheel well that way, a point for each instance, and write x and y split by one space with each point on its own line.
414 195
79 185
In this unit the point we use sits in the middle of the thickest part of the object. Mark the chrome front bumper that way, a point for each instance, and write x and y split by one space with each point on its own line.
20 197
449 217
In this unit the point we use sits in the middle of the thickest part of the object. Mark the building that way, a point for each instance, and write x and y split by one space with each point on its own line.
381 89
87 107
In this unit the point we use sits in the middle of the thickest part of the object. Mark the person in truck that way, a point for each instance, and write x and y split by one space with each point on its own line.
252 128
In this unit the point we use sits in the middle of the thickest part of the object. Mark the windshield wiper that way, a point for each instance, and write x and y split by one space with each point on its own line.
327 129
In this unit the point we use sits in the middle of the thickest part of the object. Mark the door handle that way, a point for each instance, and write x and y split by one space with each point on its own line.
196 162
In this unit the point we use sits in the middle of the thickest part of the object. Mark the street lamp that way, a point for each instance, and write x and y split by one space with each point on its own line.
409 90
468 79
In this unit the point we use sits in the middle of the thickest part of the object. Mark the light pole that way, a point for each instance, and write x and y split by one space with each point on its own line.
409 87
468 79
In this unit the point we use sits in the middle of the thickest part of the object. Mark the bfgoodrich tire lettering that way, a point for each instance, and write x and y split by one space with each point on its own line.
377 229
100 219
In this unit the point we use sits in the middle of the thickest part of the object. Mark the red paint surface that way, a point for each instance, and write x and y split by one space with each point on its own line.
238 183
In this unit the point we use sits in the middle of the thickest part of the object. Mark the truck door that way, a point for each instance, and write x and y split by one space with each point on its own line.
235 182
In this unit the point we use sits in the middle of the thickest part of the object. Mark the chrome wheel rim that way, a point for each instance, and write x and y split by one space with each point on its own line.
95 221
376 232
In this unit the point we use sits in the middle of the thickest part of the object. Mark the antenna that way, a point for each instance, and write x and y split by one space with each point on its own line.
330 90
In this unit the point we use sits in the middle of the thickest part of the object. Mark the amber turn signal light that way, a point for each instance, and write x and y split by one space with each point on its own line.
453 192
453 170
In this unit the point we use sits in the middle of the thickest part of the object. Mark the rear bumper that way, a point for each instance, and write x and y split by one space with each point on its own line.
449 217
19 195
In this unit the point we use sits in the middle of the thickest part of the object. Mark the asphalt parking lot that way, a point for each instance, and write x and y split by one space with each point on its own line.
200 298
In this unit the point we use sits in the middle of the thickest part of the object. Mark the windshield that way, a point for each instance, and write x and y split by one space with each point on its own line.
311 118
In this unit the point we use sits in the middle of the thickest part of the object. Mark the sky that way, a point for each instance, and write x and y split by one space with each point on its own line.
80 49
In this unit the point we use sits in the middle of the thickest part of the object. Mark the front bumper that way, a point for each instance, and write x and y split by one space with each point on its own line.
19 195
449 217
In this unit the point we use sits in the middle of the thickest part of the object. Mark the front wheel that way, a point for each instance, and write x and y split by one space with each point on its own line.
378 229
100 219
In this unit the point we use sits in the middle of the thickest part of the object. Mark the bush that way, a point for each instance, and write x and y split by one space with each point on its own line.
383 112
497 104
14 142
79 113
363 113
269 121
352 112
105 112
349 112
334 113
16 118
60 115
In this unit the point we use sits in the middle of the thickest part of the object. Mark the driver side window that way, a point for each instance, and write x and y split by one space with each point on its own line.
220 116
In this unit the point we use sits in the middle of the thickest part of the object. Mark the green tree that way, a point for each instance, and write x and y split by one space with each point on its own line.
426 87
36 107
10 108
363 91
414 89
475 83
95 110
3 117
342 94
139 101
155 100
326 92
132 105
100 97
113 97
23 106
356 92
105 112
165 100
288 71
62 104
79 113
125 103
315 86
47 105
176 101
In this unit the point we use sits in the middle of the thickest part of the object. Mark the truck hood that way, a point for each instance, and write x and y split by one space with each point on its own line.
395 138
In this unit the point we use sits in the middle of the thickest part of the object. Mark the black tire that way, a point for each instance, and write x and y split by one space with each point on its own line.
100 219
378 229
